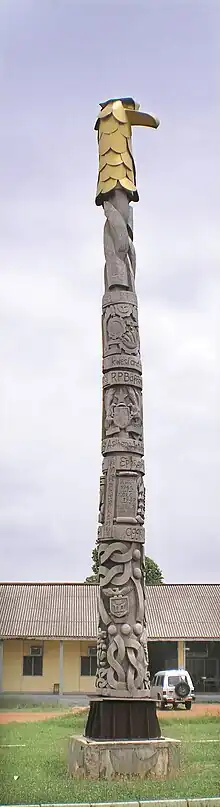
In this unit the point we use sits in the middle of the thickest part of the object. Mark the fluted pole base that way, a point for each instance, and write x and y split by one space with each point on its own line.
122 719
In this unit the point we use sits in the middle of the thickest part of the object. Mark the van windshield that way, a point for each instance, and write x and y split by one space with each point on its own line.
175 679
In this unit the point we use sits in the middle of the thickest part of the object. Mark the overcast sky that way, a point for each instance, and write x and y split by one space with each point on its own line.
58 60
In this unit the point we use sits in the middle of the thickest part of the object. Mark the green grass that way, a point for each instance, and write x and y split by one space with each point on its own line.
42 764
14 705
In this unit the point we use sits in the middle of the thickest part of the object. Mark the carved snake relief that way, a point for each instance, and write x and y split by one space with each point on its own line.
125 653
136 657
122 648
117 645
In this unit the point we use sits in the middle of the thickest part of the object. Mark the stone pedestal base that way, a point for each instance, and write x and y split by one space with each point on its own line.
122 719
91 759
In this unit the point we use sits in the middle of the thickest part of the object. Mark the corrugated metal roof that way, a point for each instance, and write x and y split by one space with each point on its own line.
69 610
184 611
62 610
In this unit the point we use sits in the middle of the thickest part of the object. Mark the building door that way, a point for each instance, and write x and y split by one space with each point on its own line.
162 656
204 673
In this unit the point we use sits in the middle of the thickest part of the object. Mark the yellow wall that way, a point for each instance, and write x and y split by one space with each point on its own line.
12 665
45 682
14 681
72 680
181 654
86 682
71 666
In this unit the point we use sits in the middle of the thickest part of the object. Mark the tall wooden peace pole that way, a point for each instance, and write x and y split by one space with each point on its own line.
123 707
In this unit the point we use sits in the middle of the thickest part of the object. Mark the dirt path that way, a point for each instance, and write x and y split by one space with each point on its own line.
33 717
198 710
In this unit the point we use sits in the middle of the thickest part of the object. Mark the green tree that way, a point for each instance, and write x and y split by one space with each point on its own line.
153 574
95 567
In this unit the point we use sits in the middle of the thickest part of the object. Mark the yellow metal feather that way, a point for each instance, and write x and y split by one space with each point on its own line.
130 175
109 124
102 160
112 158
126 159
113 171
119 112
117 142
125 129
106 187
129 145
104 143
106 111
128 185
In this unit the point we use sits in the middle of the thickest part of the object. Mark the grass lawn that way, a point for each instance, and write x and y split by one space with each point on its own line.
14 705
42 765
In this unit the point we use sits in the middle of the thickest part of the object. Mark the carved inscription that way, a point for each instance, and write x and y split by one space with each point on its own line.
131 463
122 377
126 498
125 462
128 533
120 360
110 499
119 296
126 443
123 532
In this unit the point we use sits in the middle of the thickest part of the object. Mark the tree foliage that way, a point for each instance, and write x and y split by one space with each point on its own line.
153 574
95 567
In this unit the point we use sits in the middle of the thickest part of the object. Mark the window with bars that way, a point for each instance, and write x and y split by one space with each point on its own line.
33 662
89 664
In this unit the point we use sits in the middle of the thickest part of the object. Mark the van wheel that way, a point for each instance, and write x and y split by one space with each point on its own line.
188 705
160 703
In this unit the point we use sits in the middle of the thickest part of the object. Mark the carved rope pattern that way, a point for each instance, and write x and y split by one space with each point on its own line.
119 250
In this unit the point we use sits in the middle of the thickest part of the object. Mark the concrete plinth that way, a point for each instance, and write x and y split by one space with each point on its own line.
93 759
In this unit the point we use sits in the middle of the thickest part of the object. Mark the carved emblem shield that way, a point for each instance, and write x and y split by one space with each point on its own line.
119 606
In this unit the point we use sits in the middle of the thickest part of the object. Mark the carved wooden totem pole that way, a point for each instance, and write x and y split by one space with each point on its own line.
122 682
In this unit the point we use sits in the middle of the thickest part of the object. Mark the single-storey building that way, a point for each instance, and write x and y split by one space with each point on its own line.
48 635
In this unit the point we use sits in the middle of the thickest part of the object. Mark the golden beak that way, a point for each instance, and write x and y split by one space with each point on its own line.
136 118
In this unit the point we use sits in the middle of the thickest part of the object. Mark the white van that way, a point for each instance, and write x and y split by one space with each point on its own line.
172 687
